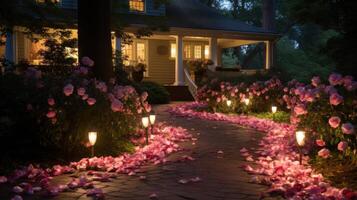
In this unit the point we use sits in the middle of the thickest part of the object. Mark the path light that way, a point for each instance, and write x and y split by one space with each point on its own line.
145 122
152 119
229 103
246 101
300 139
274 109
92 137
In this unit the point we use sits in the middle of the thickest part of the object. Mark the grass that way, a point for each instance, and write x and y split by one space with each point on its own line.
281 117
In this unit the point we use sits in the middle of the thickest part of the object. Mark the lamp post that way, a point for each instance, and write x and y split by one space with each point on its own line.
274 109
152 119
300 139
246 101
229 103
92 137
145 122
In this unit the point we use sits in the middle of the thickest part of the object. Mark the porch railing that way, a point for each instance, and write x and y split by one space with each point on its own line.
192 87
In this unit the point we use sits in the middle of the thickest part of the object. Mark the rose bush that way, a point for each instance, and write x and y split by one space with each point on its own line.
56 112
326 111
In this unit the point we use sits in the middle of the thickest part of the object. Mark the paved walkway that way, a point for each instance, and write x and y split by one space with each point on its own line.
221 174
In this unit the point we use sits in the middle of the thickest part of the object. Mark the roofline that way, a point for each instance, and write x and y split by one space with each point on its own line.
211 33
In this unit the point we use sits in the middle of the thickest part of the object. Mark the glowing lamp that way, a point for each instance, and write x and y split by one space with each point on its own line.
274 109
152 119
229 103
145 122
300 138
246 101
92 136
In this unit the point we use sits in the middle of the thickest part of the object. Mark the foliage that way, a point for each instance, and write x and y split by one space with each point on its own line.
59 49
280 116
199 66
157 93
56 112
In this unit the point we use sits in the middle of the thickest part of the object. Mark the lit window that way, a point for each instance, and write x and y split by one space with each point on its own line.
137 5
140 52
72 53
206 52
187 51
173 50
197 52
127 53
52 1
35 57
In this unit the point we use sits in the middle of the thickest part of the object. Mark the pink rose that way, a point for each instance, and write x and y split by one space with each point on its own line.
91 101
342 146
85 97
334 121
324 153
320 143
144 96
315 81
147 107
51 101
81 91
17 197
117 106
87 61
347 81
300 109
336 99
51 114
68 89
348 128
335 79
83 70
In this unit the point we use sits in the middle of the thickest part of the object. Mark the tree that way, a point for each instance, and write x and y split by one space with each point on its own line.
94 35
339 16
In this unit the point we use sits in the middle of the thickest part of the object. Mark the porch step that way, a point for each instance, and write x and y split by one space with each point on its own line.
179 93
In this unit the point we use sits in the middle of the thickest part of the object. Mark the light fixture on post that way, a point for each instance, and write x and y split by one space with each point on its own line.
152 119
246 101
274 109
92 137
145 122
300 139
229 103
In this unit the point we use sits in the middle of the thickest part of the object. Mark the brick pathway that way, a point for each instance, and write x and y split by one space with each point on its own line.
221 174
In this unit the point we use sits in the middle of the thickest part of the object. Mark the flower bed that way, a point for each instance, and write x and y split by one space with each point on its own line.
276 157
54 113
35 180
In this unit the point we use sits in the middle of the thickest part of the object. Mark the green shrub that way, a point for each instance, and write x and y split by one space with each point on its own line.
157 93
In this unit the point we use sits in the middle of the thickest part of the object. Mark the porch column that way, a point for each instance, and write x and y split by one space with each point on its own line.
179 73
213 50
9 47
268 55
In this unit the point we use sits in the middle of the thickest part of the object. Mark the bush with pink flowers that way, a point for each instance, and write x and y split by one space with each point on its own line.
55 113
326 111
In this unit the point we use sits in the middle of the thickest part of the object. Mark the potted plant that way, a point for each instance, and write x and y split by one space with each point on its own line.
199 68
138 72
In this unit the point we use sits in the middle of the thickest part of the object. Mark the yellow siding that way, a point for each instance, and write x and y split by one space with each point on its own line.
20 40
2 51
161 67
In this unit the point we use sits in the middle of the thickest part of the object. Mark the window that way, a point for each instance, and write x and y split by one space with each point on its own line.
197 52
127 53
187 51
48 1
137 5
173 50
140 52
206 51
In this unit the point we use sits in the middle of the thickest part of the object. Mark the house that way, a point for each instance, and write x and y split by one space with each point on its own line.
195 32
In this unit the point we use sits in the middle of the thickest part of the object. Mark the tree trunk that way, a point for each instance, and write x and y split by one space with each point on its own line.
94 35
269 15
